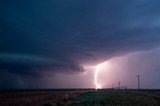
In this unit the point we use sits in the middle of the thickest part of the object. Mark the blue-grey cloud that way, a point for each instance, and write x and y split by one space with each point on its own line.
33 65
63 36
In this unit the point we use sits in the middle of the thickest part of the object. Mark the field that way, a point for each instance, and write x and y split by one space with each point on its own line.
79 97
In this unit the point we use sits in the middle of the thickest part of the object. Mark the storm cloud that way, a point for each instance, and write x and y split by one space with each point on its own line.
65 35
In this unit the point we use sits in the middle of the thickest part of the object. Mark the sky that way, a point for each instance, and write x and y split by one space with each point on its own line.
58 43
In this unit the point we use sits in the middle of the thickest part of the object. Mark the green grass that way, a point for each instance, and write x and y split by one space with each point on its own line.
116 98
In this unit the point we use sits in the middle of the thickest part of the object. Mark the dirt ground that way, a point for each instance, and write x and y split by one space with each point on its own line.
79 97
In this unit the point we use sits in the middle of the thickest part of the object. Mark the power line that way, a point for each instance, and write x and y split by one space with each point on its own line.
138 76
119 83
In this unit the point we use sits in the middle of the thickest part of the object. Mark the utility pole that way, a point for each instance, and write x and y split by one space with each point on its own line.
119 83
138 76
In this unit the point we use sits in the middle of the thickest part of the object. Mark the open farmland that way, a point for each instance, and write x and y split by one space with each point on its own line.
120 98
80 97
36 97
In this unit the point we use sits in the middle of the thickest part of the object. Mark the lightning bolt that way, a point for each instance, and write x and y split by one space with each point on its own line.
96 77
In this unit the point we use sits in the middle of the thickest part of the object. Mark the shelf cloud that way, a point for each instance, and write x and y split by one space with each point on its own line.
64 36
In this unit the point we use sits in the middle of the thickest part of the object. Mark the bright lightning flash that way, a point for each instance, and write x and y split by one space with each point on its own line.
98 86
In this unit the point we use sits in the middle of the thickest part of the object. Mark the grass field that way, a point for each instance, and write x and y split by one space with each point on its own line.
119 98
80 97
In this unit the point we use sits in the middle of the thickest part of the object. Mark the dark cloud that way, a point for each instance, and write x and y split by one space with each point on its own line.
32 65
62 36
